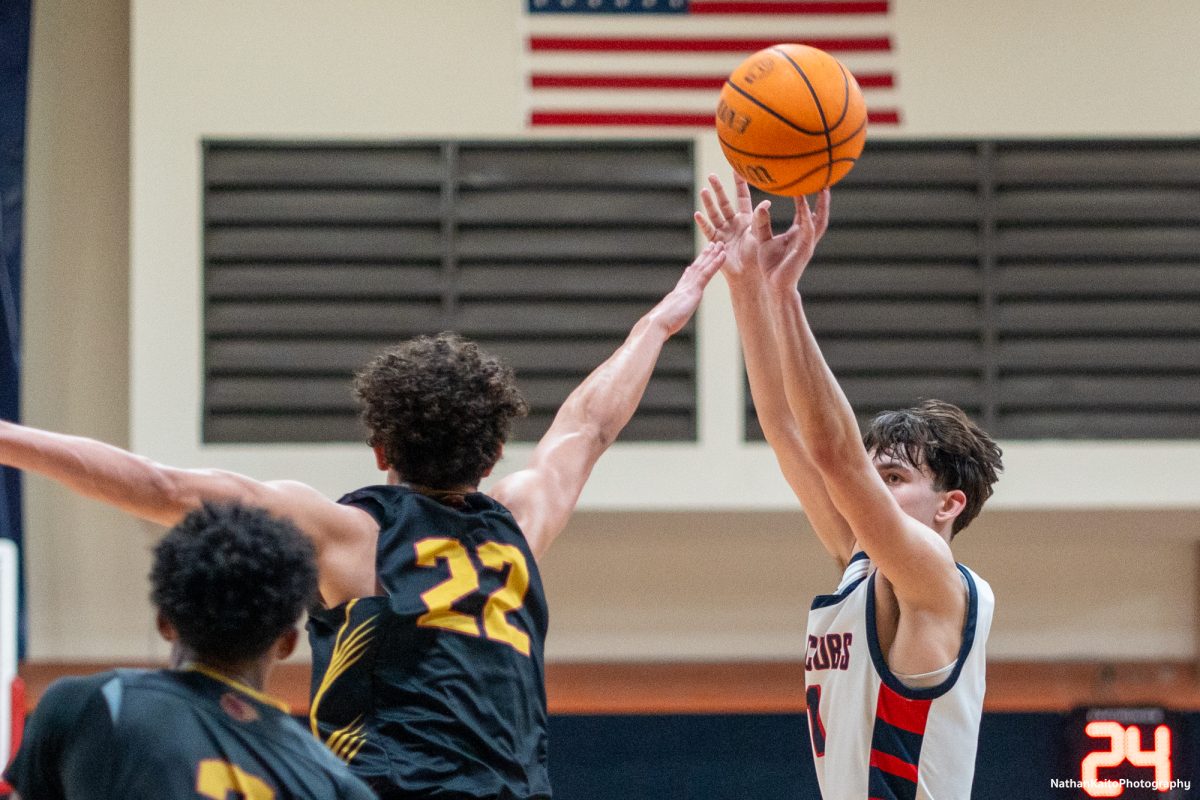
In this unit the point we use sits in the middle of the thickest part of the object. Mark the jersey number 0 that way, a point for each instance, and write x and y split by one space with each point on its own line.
464 580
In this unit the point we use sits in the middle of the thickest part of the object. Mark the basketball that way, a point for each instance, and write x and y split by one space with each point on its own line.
791 120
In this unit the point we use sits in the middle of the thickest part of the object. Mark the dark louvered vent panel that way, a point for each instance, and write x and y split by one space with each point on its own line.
1098 290
317 256
1050 288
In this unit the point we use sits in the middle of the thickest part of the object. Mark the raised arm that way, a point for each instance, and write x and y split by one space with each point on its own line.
543 495
723 222
915 559
162 494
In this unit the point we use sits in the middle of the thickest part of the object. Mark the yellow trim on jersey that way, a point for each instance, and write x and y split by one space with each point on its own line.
346 742
346 651
261 697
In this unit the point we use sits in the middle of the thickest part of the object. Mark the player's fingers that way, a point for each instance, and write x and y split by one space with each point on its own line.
822 215
743 192
705 226
722 198
804 217
710 207
703 262
710 261
760 223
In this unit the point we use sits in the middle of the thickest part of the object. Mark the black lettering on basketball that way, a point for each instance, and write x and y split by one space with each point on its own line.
760 68
757 173
733 120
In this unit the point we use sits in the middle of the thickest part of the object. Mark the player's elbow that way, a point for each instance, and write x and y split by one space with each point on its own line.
591 419
183 490
597 436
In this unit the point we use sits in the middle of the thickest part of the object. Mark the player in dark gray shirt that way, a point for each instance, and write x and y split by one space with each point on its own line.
230 583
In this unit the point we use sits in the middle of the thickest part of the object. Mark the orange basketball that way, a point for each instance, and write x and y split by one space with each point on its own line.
791 120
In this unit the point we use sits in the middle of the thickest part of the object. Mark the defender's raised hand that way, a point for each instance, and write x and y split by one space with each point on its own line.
674 310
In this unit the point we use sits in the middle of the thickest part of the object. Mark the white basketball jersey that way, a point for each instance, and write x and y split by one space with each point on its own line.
872 736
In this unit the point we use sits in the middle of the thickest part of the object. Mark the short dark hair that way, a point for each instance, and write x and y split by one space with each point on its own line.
232 579
440 408
939 435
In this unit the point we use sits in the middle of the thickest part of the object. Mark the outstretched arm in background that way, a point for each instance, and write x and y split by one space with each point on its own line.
723 222
543 495
913 557
162 494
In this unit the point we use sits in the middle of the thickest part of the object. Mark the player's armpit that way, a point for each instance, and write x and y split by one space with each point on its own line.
806 483
344 536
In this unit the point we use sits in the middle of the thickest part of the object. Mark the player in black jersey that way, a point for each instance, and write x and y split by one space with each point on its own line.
427 645
230 584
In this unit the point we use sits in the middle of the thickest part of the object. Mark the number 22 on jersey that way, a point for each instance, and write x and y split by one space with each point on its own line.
464 580
217 779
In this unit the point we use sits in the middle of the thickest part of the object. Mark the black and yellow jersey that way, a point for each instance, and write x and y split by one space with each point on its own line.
168 735
435 688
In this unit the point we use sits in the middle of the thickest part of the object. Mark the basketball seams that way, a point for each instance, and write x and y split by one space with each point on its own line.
762 84
816 98
847 77
850 138
773 112
810 173
820 110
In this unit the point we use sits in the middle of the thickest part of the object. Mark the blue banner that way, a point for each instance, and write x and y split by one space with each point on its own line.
14 80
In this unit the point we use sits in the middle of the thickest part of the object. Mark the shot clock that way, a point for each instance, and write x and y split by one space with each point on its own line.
1126 752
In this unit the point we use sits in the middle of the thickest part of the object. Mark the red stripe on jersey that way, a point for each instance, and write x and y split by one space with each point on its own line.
909 715
894 766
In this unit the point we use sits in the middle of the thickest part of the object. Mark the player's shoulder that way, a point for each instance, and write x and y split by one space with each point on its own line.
379 500
979 591
75 701
70 695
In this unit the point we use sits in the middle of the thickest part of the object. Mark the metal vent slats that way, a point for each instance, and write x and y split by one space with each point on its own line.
318 256
1053 288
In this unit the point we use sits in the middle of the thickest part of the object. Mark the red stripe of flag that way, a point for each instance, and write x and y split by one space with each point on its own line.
620 118
883 116
670 119
547 81
626 82
720 7
909 715
894 766
649 45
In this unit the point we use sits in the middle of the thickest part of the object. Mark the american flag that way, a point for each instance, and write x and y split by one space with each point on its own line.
663 62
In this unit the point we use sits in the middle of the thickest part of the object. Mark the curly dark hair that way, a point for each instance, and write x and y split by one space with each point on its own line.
440 408
939 435
232 579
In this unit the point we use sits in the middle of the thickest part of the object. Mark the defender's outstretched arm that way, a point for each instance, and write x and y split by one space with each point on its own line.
543 495
162 494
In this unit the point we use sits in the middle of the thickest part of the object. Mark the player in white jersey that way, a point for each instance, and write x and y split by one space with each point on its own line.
895 665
